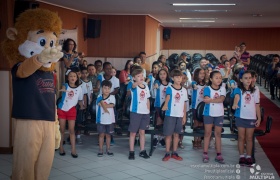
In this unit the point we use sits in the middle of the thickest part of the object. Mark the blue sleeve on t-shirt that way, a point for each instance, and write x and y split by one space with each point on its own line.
206 92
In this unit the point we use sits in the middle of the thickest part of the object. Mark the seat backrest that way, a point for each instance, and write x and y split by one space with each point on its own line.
268 124
227 99
127 103
199 111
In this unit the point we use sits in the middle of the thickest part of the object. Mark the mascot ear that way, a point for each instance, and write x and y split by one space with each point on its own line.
11 33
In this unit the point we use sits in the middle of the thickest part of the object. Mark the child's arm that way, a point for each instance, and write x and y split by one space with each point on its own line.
258 111
109 105
165 107
101 103
185 114
81 103
217 100
148 104
134 85
235 101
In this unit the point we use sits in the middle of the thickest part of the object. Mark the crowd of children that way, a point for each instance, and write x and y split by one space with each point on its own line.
171 90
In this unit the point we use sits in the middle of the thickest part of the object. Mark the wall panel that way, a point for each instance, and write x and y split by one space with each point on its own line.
260 39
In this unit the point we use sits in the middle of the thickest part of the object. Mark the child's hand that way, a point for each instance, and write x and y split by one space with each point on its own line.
235 106
258 122
207 101
184 120
156 86
106 111
164 108
195 87
232 86
82 107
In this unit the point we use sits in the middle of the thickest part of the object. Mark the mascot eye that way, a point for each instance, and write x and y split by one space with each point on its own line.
42 41
51 43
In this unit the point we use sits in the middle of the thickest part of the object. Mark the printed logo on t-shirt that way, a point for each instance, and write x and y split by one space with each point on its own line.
45 85
216 95
201 92
142 95
177 97
70 94
163 92
247 99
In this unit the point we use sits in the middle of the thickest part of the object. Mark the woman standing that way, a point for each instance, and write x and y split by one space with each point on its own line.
71 57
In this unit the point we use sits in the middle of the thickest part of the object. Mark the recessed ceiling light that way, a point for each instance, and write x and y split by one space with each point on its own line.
197 21
200 4
202 11
198 18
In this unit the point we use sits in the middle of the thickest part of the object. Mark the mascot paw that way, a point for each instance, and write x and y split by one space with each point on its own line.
50 55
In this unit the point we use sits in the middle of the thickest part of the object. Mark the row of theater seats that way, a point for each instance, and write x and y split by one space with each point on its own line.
260 64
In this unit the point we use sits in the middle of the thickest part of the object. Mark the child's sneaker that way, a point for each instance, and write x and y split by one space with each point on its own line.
166 157
131 155
110 154
242 161
100 154
205 158
176 156
220 159
249 162
144 154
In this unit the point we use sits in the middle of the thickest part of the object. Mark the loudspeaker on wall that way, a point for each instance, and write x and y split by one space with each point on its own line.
166 34
93 28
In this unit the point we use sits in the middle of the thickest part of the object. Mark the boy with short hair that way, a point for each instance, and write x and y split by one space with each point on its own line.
105 116
175 115
139 112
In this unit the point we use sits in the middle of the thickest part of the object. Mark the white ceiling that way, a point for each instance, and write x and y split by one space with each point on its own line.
239 16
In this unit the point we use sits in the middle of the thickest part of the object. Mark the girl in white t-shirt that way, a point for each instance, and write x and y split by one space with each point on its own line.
152 77
213 114
198 85
247 116
71 95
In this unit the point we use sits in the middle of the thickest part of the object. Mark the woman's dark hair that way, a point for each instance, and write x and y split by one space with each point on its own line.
241 86
65 46
167 77
196 76
126 64
77 82
211 76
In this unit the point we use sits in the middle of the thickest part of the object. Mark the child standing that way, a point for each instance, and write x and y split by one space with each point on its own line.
161 83
105 116
71 95
237 53
214 96
248 116
175 115
139 112
197 96
151 78
184 84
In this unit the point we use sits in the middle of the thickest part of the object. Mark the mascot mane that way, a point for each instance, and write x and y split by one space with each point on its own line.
30 20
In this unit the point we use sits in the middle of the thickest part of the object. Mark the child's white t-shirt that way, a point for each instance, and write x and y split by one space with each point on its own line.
101 116
197 94
247 104
71 97
87 89
139 99
160 93
214 109
178 98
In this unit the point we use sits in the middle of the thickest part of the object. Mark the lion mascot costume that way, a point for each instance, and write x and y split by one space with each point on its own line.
31 46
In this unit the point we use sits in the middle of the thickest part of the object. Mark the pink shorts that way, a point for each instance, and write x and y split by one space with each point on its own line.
68 115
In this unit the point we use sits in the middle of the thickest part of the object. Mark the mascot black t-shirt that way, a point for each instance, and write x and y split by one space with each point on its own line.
38 91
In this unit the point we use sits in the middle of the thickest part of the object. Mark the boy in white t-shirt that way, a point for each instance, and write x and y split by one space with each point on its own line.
175 114
105 116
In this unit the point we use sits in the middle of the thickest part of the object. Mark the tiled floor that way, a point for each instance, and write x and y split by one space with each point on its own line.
89 166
